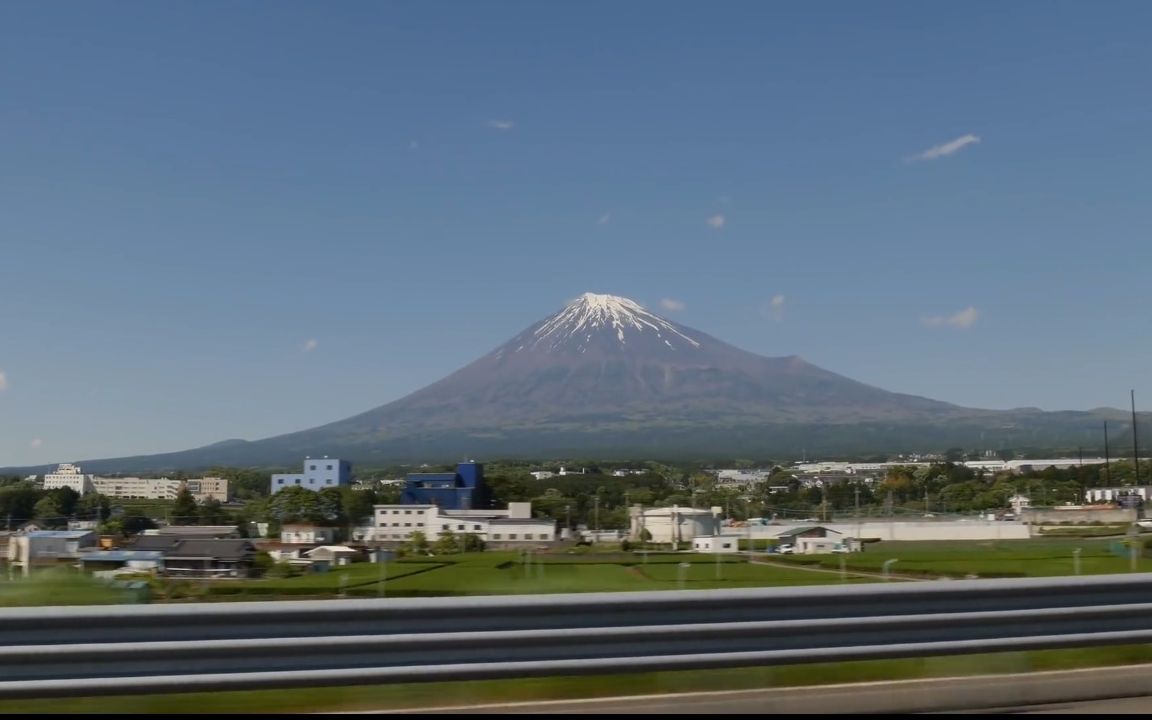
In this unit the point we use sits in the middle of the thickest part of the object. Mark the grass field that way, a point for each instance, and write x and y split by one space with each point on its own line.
509 572
1036 557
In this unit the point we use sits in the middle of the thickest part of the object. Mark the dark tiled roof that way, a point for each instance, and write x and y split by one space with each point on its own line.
163 543
235 549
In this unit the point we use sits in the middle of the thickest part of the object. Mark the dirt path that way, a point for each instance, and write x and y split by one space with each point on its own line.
859 573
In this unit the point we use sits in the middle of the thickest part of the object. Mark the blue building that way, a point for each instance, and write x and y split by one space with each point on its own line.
462 490
318 474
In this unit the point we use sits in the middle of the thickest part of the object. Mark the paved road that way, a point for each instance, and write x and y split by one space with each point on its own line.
748 703
1119 706
1065 692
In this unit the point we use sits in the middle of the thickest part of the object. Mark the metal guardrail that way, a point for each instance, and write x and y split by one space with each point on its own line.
106 650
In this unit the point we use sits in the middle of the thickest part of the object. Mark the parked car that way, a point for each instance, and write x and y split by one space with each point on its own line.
786 549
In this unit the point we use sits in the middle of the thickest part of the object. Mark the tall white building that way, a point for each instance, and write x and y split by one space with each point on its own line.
68 475
512 527
136 487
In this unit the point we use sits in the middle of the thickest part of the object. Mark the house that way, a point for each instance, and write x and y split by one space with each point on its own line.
193 557
210 558
47 547
201 532
333 555
716 543
302 534
816 539
1020 503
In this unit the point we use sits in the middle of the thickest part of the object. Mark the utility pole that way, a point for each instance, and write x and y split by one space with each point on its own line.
1107 460
597 512
857 492
1135 445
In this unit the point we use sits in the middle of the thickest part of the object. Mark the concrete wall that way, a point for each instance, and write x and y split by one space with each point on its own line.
942 530
1042 516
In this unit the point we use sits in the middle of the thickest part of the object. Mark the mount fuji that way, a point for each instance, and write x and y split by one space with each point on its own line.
606 378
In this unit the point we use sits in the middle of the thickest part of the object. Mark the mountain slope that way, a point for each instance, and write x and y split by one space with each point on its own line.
604 358
604 376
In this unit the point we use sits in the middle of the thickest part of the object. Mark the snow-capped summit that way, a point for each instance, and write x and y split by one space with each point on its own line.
600 321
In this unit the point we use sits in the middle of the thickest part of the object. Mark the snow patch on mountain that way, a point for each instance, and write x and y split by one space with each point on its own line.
592 313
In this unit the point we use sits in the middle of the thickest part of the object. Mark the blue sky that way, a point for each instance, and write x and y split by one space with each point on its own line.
238 219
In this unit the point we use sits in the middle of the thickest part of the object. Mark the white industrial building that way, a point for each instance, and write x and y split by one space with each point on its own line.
137 487
1112 494
853 468
741 478
70 476
716 544
513 526
47 547
672 524
302 534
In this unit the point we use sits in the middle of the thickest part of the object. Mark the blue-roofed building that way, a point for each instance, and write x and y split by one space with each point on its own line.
464 489
47 547
105 560
319 473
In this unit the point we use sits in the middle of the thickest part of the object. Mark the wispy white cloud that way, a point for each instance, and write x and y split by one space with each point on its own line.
672 305
311 345
946 149
773 308
501 124
36 442
717 221
965 318
604 219
3 381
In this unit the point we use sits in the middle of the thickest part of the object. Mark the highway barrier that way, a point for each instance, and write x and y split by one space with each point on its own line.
137 649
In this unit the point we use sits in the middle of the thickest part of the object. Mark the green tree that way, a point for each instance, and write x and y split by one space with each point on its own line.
418 542
48 512
18 503
212 512
357 504
94 506
65 499
136 524
331 506
263 562
471 542
294 504
184 509
446 544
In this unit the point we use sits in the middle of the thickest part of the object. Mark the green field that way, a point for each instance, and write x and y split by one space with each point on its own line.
482 576
509 572
1036 557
